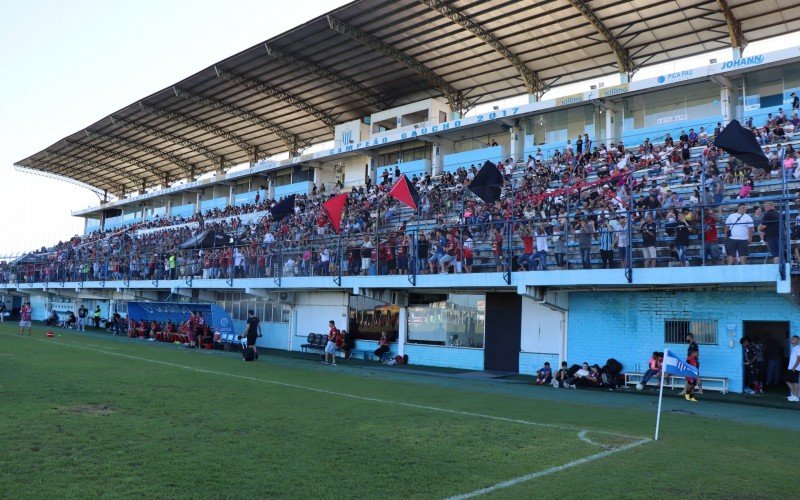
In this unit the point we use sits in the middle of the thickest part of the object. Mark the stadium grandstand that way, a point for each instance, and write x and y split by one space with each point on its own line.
617 225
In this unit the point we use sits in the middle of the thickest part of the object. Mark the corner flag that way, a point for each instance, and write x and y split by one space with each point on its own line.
674 366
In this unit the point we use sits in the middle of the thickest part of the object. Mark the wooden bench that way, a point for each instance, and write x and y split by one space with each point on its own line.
674 382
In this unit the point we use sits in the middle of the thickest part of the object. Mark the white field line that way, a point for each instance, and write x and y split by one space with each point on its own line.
352 396
551 470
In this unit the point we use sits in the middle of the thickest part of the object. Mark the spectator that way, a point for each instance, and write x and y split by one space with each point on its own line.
739 227
653 370
770 229
544 375
383 346
648 229
561 376
751 384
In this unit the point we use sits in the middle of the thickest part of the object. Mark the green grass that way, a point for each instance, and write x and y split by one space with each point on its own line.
85 415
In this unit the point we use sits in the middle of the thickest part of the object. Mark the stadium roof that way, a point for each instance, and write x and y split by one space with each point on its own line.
369 55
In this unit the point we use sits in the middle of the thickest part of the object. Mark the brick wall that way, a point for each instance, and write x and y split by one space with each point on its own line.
629 326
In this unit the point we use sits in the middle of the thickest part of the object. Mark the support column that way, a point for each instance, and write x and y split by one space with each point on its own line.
516 143
197 203
271 188
437 159
609 127
727 105
372 169
231 194
402 330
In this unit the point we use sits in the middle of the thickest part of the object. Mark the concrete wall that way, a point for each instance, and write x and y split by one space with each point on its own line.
314 310
629 326
542 336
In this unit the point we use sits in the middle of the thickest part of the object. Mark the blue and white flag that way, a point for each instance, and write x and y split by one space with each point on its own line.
674 366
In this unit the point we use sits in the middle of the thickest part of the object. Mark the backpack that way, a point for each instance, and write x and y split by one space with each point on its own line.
248 354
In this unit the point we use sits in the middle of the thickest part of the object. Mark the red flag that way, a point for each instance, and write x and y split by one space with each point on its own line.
335 210
405 192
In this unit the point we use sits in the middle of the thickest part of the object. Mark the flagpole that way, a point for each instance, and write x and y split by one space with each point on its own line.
660 395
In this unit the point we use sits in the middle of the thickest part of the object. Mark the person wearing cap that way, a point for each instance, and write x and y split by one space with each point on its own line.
25 318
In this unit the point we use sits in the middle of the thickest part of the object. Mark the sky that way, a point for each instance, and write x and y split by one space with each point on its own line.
68 64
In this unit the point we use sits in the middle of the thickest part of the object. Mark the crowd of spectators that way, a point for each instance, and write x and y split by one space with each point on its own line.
577 203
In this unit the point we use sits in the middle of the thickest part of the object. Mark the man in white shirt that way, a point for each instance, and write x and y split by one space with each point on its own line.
269 239
794 370
739 227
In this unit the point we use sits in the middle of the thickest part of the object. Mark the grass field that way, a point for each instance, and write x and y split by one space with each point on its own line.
86 415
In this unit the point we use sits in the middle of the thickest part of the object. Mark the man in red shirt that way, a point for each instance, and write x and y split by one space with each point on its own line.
330 347
25 318
710 237
191 330
497 249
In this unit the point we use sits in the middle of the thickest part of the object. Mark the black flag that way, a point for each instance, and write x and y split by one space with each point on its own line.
742 144
488 183
283 208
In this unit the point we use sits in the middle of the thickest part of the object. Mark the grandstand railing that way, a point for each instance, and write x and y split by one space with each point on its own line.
391 251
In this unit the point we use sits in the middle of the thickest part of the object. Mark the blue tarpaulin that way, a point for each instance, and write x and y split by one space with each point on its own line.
217 317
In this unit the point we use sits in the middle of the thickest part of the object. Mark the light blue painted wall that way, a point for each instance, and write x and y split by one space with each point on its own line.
630 326
452 357
296 188
475 156
419 167
245 198
220 203
428 355
183 210
529 362
633 137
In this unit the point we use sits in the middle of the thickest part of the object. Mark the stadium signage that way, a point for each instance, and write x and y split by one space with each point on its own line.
672 119
676 77
615 90
569 99
411 134
743 62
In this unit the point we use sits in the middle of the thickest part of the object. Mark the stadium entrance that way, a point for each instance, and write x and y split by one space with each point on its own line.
773 336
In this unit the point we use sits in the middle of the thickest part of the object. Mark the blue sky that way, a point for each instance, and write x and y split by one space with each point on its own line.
68 64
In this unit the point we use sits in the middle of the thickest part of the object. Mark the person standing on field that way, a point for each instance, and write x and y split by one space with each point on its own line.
82 313
794 370
97 318
25 318
330 347
253 330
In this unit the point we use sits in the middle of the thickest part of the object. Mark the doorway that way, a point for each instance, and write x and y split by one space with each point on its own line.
503 332
774 339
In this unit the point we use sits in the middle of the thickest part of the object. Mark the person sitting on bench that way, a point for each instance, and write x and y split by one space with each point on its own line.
383 346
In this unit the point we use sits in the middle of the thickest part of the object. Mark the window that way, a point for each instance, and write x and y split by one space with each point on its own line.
458 321
704 331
